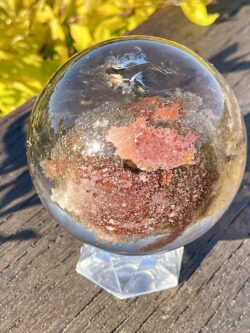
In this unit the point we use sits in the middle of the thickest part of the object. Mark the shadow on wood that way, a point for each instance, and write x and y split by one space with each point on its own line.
226 62
226 8
16 188
22 235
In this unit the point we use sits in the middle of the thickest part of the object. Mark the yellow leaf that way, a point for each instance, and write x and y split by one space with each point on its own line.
3 55
44 13
56 30
62 51
196 12
81 36
108 28
109 9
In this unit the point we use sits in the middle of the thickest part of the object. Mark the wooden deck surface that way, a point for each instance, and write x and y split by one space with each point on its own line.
40 291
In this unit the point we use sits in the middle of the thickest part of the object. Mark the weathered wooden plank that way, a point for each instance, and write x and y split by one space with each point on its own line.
40 291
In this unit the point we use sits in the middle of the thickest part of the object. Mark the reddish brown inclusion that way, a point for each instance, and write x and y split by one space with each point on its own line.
151 148
127 203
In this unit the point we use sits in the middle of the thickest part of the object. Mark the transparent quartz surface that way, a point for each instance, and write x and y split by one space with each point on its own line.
136 145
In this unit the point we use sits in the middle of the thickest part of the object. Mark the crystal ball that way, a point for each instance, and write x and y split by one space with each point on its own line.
136 145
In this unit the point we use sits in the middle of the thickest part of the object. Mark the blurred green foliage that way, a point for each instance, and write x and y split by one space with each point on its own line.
37 36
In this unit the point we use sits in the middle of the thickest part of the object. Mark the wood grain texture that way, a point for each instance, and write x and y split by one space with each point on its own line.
40 291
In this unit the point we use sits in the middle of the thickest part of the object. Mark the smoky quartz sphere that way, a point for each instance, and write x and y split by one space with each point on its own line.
136 145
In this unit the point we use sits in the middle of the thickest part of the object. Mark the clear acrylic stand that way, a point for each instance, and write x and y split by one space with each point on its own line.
130 276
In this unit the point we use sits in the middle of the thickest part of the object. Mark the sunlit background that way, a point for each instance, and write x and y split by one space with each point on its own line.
37 36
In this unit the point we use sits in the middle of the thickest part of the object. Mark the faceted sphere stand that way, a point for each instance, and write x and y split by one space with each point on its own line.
129 276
